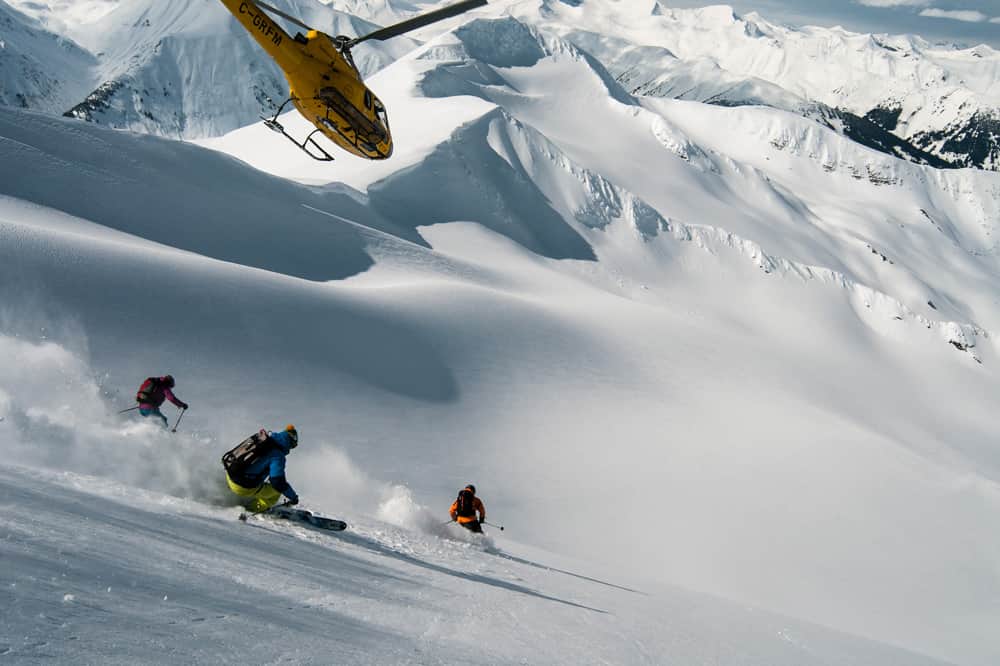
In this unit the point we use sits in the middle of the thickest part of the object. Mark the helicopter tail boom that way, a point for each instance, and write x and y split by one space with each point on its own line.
265 30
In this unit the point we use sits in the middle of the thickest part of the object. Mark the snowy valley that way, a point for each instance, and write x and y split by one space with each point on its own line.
726 374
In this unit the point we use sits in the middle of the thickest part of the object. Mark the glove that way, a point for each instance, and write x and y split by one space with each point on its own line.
184 405
292 501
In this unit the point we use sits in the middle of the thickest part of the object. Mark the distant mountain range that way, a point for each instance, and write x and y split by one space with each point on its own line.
938 103
162 68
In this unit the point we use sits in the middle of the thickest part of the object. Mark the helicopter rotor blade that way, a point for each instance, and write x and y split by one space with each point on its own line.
275 10
418 21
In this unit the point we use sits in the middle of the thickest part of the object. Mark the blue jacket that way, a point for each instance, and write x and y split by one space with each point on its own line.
270 467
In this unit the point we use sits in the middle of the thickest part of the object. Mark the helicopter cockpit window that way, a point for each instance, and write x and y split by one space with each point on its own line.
381 114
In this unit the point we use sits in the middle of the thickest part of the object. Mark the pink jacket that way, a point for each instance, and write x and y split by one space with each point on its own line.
157 395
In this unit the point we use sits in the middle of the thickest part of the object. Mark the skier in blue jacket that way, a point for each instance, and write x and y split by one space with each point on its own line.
262 482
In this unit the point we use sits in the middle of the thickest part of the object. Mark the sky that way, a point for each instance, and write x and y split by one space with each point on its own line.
967 22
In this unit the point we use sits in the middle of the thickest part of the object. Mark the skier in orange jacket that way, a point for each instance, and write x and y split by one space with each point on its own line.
465 507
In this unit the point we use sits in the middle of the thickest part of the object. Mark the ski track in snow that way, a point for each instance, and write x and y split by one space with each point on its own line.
150 569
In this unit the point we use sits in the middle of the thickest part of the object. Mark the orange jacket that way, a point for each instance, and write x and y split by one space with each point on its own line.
477 505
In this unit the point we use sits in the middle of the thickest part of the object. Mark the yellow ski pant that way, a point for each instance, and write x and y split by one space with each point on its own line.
256 499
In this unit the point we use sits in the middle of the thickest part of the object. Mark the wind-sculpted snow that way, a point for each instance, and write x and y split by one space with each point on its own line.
326 342
212 205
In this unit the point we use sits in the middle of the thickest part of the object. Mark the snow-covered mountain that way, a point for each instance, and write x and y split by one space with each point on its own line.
942 100
383 12
181 69
39 69
72 18
653 71
675 345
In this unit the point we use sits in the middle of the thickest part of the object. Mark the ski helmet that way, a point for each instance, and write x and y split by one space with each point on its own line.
168 381
293 435
472 488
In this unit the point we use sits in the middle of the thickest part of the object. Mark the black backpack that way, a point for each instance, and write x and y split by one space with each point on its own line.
247 452
466 504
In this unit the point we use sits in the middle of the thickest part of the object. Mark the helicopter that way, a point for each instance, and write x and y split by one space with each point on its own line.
324 83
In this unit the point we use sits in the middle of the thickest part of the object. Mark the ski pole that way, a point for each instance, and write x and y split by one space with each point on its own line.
129 409
493 525
448 523
174 429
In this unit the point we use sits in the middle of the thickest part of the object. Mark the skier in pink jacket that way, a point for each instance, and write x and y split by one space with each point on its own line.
153 392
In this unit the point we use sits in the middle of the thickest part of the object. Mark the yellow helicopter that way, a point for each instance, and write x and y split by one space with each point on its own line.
325 84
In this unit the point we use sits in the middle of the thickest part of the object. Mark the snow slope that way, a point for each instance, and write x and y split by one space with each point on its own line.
758 355
158 579
474 360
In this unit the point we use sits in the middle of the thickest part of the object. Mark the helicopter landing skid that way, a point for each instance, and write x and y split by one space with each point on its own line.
317 152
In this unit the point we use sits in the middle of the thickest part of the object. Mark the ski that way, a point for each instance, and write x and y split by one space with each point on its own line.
300 516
